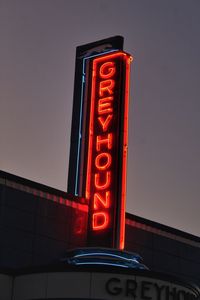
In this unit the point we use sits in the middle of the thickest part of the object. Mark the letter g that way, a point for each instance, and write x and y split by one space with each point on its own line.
113 286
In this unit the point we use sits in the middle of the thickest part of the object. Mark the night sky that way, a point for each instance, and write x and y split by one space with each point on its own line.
37 60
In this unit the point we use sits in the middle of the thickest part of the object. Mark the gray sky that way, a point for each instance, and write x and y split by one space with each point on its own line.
37 54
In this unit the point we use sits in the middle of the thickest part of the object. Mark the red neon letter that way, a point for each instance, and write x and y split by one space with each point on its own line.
105 122
100 220
104 105
100 200
104 140
106 85
103 161
99 185
107 70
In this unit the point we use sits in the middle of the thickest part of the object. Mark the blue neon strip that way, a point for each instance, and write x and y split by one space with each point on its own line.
80 117
106 254
99 263
79 135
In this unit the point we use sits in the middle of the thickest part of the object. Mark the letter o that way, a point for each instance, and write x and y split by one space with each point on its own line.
103 161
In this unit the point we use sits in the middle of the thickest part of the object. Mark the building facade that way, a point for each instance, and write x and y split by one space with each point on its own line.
40 224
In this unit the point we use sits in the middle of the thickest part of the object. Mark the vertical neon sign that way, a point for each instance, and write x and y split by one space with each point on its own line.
107 148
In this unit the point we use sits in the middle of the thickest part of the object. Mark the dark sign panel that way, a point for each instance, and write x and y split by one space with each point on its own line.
98 153
76 161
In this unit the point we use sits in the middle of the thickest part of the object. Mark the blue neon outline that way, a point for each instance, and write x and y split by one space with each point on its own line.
108 255
79 135
80 116
117 263
101 263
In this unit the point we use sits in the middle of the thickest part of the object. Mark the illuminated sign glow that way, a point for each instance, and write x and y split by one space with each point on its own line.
107 148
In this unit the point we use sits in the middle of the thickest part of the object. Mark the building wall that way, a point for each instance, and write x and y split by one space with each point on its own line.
6 286
39 224
164 249
100 283
35 230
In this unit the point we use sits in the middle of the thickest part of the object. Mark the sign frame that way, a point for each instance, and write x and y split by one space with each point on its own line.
105 229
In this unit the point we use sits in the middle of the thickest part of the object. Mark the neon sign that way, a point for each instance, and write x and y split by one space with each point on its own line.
98 150
107 148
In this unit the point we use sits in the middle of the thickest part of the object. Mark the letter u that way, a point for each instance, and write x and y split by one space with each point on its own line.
102 184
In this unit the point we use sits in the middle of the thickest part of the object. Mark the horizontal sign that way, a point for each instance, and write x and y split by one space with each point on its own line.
146 290
100 285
